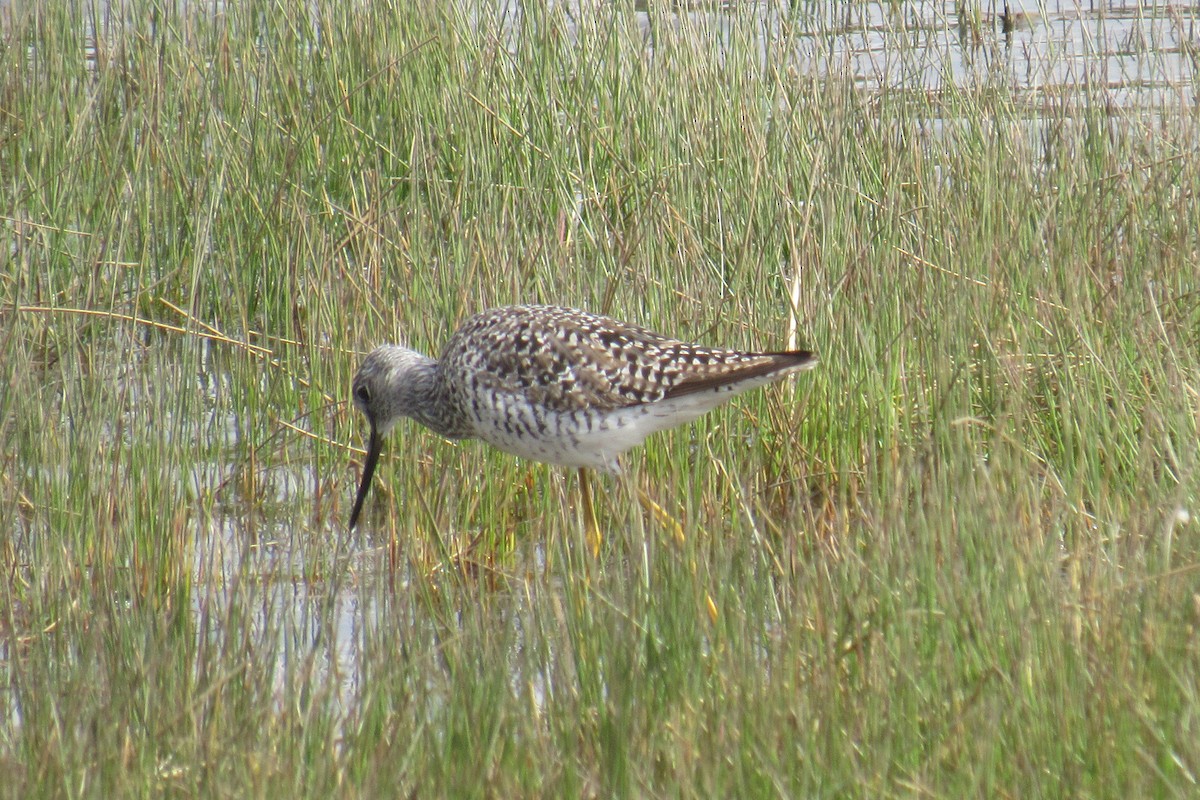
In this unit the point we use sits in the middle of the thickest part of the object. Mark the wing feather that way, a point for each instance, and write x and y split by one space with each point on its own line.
568 360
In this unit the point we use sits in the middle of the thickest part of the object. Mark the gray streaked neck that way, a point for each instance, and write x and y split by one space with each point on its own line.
436 410
406 383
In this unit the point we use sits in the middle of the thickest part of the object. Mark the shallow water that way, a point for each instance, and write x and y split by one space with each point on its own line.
1141 53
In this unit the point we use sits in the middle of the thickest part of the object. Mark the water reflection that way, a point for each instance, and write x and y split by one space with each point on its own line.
1142 54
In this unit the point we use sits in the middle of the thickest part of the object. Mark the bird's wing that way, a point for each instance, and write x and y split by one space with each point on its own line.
568 360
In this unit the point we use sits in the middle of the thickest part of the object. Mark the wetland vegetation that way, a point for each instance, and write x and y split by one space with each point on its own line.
960 558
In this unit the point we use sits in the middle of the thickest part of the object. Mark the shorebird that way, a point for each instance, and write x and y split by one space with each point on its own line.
556 385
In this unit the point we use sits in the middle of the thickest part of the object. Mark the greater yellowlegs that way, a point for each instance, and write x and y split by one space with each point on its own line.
556 385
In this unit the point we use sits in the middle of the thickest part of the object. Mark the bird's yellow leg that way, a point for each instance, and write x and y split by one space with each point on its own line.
661 515
590 526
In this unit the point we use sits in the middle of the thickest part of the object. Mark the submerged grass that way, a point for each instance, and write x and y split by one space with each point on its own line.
960 558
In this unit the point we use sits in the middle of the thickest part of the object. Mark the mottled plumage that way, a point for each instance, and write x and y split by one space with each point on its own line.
556 385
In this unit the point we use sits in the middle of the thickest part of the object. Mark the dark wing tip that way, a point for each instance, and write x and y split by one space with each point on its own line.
772 366
799 358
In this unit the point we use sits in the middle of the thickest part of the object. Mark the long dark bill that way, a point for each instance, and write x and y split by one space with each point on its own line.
374 446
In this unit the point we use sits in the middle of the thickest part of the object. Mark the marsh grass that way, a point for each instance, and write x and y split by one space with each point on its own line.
958 559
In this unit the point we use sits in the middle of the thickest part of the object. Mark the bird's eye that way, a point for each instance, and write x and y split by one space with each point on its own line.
362 394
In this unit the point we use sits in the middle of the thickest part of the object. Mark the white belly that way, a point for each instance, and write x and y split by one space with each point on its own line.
585 438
